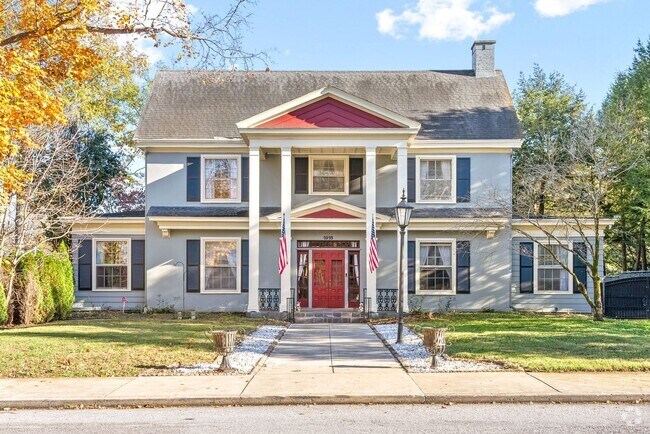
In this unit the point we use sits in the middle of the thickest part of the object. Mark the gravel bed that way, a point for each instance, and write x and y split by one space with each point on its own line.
246 355
416 358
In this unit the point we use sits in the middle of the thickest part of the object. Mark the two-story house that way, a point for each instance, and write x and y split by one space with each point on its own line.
232 156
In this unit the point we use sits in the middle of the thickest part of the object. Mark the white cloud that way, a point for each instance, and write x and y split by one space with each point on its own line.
560 8
442 20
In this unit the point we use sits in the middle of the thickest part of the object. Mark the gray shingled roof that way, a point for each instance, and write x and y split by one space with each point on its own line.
230 211
449 104
448 212
206 211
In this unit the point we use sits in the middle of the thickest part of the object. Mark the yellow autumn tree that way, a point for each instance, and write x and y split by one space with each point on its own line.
46 45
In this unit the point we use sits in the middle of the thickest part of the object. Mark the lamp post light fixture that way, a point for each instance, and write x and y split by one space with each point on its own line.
402 217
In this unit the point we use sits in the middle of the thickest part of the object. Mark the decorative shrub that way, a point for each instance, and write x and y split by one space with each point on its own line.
59 276
44 287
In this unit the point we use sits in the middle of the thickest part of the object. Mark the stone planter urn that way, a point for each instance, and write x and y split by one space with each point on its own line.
435 342
224 344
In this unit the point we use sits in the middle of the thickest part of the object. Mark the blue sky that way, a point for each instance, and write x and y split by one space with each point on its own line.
588 41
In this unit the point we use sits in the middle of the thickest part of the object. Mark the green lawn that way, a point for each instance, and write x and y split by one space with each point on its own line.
539 342
112 344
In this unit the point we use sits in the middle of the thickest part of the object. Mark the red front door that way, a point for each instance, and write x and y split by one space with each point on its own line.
328 288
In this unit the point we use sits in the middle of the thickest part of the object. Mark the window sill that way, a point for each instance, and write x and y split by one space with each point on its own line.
316 193
435 293
439 202
221 201
538 292
219 291
111 290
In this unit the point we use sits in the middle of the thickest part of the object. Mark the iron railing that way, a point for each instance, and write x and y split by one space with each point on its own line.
367 304
269 299
387 300
291 305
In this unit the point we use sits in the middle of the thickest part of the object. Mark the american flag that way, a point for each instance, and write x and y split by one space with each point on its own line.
373 257
282 262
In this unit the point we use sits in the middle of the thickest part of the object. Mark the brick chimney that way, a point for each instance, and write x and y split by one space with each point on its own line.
483 58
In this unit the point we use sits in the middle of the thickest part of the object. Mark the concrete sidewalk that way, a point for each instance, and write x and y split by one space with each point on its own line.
361 386
326 364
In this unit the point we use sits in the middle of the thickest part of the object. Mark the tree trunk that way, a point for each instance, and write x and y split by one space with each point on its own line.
597 308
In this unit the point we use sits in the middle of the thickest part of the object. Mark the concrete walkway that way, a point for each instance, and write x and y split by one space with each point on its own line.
329 348
327 364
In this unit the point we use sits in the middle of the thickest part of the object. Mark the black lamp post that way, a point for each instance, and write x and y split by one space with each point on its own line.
402 217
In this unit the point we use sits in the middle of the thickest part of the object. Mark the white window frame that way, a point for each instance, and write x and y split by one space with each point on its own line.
418 159
128 265
420 241
536 289
346 174
239 176
204 290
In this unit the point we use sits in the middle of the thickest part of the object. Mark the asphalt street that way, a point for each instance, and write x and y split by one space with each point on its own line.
501 418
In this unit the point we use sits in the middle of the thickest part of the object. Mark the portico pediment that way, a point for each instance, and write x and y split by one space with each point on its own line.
328 209
328 111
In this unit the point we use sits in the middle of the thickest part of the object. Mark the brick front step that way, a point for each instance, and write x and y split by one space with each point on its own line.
329 316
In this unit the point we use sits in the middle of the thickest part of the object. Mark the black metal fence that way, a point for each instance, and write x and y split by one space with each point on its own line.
627 295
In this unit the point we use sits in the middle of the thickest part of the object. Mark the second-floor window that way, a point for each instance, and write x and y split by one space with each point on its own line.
436 179
221 181
329 175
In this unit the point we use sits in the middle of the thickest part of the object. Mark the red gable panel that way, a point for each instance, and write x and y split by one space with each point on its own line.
328 214
328 113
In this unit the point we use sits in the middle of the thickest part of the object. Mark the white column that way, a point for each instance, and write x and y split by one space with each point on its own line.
402 180
285 192
371 205
254 230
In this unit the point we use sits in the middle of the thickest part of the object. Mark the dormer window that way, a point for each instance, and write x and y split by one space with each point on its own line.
329 175
436 179
221 180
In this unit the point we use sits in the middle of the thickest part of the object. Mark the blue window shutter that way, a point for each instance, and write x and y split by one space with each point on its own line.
526 264
301 174
463 181
462 267
193 259
411 266
356 175
244 265
410 179
85 266
244 179
579 267
137 265
193 171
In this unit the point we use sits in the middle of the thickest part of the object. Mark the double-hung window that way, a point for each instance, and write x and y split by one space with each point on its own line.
551 277
329 175
436 179
220 258
221 179
435 265
111 264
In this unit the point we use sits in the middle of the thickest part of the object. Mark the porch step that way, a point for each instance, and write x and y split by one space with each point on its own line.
306 316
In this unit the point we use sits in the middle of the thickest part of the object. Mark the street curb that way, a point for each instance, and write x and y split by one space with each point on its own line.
322 400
